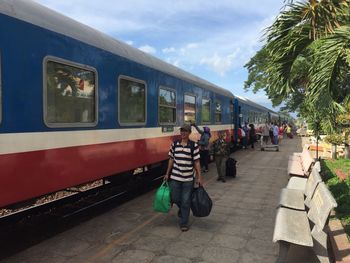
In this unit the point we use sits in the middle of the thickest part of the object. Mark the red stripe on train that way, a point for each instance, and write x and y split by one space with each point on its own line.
31 174
27 175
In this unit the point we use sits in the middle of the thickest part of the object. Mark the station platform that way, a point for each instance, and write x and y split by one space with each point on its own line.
239 228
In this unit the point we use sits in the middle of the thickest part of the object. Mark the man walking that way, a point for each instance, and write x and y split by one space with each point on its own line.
184 159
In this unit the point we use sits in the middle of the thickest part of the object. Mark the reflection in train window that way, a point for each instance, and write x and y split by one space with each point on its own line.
70 95
190 108
205 110
132 101
217 111
167 106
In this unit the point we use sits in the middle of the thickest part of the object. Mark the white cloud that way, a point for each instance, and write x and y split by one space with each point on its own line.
214 39
168 50
258 98
110 17
191 45
148 49
219 64
129 42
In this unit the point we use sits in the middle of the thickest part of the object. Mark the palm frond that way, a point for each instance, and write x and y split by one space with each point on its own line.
331 67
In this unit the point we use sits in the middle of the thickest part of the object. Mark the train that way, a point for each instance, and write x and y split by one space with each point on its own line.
77 105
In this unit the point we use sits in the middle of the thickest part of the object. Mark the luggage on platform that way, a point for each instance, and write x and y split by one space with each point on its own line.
162 202
201 203
231 169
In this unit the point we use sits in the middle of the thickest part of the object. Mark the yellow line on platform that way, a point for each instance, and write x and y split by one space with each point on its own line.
127 235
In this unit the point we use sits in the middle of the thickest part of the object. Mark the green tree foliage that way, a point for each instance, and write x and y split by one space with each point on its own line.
305 62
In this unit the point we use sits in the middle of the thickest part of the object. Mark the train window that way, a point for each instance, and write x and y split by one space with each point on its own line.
250 117
217 111
70 94
190 108
132 101
167 106
0 91
205 110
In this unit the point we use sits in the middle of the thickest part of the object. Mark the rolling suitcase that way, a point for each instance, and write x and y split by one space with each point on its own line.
231 169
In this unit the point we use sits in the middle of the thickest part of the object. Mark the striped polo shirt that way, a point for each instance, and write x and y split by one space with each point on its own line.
183 161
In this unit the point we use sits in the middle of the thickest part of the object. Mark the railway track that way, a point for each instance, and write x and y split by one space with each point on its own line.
33 225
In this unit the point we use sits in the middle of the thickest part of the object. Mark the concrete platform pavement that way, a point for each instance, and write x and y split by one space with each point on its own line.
239 229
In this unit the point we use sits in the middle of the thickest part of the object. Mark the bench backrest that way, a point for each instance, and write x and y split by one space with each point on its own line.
311 184
306 161
317 166
322 203
306 147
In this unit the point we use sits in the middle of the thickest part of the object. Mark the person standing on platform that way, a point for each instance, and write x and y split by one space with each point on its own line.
246 130
275 133
252 135
221 153
203 146
280 133
289 131
271 133
184 159
266 133
242 137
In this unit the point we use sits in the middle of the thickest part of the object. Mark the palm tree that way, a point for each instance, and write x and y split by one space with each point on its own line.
312 36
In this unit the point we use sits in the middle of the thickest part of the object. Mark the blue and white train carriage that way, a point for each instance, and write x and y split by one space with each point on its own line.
77 105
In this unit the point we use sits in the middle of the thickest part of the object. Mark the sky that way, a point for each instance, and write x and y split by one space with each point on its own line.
210 39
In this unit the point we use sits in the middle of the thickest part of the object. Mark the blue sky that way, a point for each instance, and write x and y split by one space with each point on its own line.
211 39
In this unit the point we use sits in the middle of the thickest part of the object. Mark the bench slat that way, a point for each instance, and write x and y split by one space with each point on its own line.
291 198
321 205
297 183
294 198
299 164
295 168
294 158
306 162
320 245
311 185
292 226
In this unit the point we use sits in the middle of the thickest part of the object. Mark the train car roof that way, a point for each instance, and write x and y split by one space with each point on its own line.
251 103
44 17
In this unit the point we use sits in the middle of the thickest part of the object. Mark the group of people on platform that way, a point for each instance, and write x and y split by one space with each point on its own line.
270 132
189 159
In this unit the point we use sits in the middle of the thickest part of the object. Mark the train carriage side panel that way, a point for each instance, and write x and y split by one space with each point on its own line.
36 159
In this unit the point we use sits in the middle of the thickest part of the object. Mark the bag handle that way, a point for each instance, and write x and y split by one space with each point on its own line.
165 183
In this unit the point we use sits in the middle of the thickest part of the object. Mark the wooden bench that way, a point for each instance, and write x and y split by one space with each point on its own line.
294 226
299 191
300 165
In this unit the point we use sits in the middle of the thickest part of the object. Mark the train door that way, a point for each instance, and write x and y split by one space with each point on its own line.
237 119
240 116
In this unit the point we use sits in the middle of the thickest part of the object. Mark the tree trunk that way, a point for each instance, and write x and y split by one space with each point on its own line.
346 151
334 151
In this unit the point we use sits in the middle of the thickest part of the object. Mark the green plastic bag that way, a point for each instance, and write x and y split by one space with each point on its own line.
161 201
